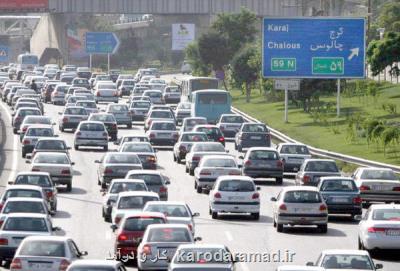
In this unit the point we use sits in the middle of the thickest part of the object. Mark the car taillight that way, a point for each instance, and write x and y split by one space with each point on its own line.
114 126
279 163
35 169
151 159
282 207
146 249
397 188
206 173
247 163
97 94
65 172
196 158
306 179
163 189
255 196
3 241
122 237
152 135
26 142
16 264
65 119
323 208
221 139
64 265
357 200
49 194
108 171
365 187
24 129
217 195
117 219
376 230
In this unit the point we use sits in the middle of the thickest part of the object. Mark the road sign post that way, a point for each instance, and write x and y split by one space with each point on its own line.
320 48
101 43
287 84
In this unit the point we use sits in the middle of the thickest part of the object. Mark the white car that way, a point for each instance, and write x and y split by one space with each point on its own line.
377 184
211 167
131 202
176 212
297 205
89 265
341 259
234 194
154 115
155 96
90 106
380 227
58 95
299 268
293 155
91 133
50 253
230 124
162 133
24 205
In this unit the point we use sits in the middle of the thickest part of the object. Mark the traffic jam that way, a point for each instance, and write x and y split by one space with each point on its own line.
136 124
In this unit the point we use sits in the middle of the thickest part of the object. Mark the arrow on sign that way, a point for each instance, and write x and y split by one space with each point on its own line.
354 52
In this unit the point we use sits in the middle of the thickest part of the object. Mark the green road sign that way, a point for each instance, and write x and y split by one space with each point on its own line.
328 65
283 64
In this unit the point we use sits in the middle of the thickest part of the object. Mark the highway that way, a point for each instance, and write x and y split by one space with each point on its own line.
79 212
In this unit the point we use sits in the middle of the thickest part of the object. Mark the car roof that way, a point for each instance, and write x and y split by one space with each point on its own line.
167 203
335 178
126 181
144 171
236 177
47 238
300 188
261 149
137 193
346 251
124 136
24 187
384 206
160 226
25 199
40 126
36 173
163 121
94 263
33 215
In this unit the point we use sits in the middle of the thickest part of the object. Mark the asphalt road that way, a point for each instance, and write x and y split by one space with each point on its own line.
79 212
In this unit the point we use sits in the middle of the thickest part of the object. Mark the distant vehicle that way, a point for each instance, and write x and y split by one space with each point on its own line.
189 123
131 138
154 180
296 205
183 110
71 117
109 121
230 124
91 133
293 155
190 85
211 104
162 133
252 135
27 61
312 170
145 152
212 131
126 87
139 109
185 142
121 113
198 151
186 68
83 72
171 94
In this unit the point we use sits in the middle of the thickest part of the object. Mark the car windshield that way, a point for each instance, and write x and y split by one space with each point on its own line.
153 94
27 112
302 197
321 166
161 115
140 105
118 108
348 262
128 83
25 105
39 132
263 155
386 214
209 148
172 90
24 207
294 149
236 186
194 138
169 210
50 145
98 127
166 126
141 223
51 159
87 104
106 86
232 119
203 256
219 162
137 148
338 185
255 128
184 106
39 180
80 81
134 139
75 111
376 174
43 249
25 224
22 193
134 202
122 158
149 179
169 235
103 118
210 131
119 187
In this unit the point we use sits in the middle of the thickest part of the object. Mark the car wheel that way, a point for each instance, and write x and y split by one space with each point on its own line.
105 148
214 215
191 172
129 126
256 216
274 223
23 154
107 218
360 245
15 131
76 147
239 148
279 180
323 228
186 169
199 189
279 227
69 187
103 185
174 157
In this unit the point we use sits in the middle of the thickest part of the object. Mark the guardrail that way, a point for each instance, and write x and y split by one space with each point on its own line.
320 152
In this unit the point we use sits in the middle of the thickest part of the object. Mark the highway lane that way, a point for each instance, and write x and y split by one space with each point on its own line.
79 212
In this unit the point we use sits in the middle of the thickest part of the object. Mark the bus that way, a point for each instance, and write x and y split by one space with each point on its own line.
193 84
211 104
27 62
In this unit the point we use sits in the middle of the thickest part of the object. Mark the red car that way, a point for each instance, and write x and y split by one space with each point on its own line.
129 234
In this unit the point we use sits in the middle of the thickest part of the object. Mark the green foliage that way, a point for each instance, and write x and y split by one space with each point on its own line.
391 108
384 53
390 135
199 68
389 15
212 50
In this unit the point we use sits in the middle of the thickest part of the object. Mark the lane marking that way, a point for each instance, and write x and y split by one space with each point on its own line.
14 163
244 266
229 236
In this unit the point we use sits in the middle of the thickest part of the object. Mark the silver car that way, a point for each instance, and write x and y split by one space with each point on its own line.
121 113
90 265
162 133
183 110
293 155
115 165
30 120
185 142
90 106
91 133
230 124
312 169
139 109
32 136
155 96
71 117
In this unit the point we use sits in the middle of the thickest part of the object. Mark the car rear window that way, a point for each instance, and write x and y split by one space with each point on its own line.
134 139
43 249
134 202
127 186
219 162
152 94
346 261
25 224
149 179
75 111
263 155
39 132
294 149
51 159
27 112
122 159
50 145
302 197
194 138
141 223
118 108
137 148
165 126
161 115
140 105
169 235
210 131
338 185
24 207
87 104
22 193
386 214
103 118
209 148
236 186
42 181
254 128
232 119
92 127
169 210
376 174
321 166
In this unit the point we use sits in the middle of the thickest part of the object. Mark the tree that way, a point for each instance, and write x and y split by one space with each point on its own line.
244 71
391 135
310 88
389 15
384 52
193 56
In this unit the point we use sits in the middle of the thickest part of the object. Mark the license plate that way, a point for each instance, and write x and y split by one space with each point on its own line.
296 160
340 200
235 198
266 165
54 178
378 187
393 232
302 210
121 171
255 137
164 135
40 265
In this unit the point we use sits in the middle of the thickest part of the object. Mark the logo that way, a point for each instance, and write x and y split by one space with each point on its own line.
183 31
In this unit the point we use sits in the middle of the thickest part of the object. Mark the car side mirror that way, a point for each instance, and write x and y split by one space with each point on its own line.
97 161
72 163
83 253
258 188
310 264
196 214
167 182
273 199
11 182
241 157
114 227
196 239
378 266
28 161
29 156
358 217
56 229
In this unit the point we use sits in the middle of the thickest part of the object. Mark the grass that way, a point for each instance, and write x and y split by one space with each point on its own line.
332 134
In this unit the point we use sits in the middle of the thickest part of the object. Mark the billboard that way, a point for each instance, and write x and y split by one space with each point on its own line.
24 5
182 35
